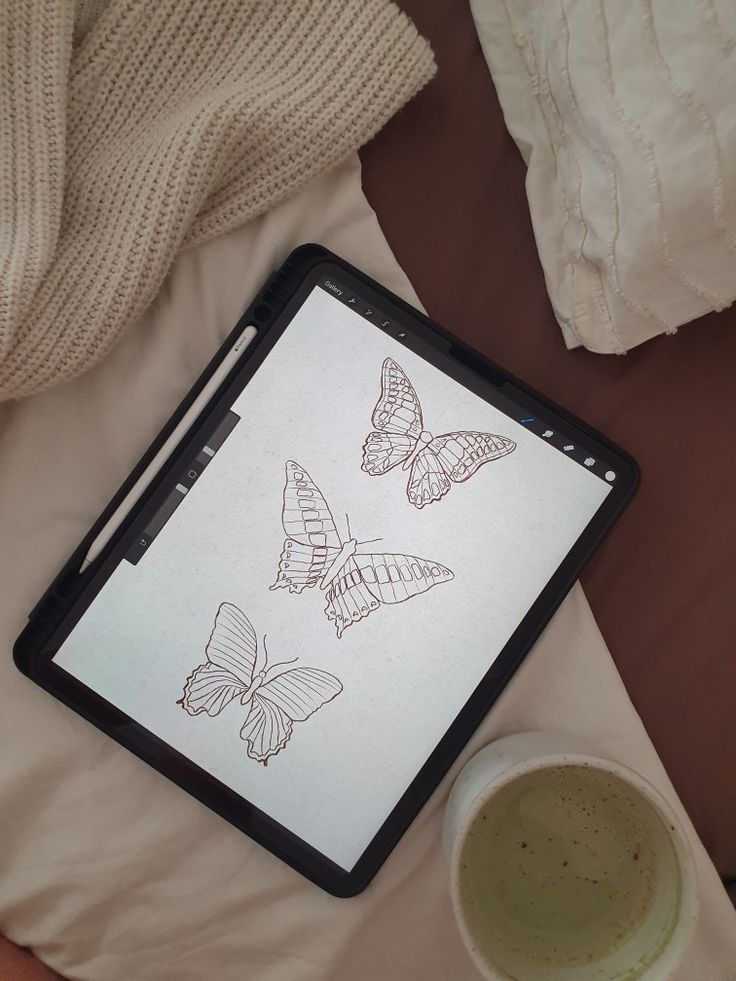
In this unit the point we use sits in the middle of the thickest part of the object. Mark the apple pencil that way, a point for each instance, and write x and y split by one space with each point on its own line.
123 509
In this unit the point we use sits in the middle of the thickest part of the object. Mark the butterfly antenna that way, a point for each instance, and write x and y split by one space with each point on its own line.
347 522
372 541
280 664
277 664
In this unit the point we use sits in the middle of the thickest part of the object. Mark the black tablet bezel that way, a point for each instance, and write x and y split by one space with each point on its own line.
71 593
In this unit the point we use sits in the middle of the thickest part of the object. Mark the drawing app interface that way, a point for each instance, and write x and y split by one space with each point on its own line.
334 573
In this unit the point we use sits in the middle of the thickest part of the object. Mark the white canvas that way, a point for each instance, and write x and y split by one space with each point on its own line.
407 669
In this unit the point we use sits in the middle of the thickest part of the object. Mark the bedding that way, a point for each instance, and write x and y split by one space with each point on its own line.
625 117
110 872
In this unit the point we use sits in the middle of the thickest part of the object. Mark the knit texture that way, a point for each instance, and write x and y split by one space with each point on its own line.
132 130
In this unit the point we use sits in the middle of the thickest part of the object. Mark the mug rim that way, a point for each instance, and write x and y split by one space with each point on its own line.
685 924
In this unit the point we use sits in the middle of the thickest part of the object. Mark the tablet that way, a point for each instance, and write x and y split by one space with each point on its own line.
307 613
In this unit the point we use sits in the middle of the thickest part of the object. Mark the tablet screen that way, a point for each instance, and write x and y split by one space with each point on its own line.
335 573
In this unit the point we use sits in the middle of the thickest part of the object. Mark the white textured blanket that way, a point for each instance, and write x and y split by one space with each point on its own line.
624 114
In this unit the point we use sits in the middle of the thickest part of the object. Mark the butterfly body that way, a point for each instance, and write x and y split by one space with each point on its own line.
235 670
348 550
355 583
434 462
423 440
248 694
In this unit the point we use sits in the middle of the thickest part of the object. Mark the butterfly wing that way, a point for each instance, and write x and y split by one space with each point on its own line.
398 410
392 578
228 671
428 480
347 598
461 454
305 515
382 451
266 730
291 696
397 418
301 566
453 457
313 540
300 691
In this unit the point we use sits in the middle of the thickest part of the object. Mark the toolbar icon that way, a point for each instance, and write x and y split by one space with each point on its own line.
610 475
568 448
351 300
369 312
526 420
589 461
547 433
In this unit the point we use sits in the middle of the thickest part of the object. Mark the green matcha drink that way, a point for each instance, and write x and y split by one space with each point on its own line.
561 867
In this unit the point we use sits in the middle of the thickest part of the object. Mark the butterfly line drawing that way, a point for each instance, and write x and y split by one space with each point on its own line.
355 583
434 462
235 668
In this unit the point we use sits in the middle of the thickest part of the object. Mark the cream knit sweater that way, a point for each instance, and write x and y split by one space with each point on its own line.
133 133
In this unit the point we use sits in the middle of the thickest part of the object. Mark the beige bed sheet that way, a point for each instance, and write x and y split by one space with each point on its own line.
111 873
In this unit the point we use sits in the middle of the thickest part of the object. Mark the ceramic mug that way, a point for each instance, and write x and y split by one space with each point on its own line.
654 946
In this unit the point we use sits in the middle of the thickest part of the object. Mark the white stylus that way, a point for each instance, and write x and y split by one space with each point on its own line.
184 424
